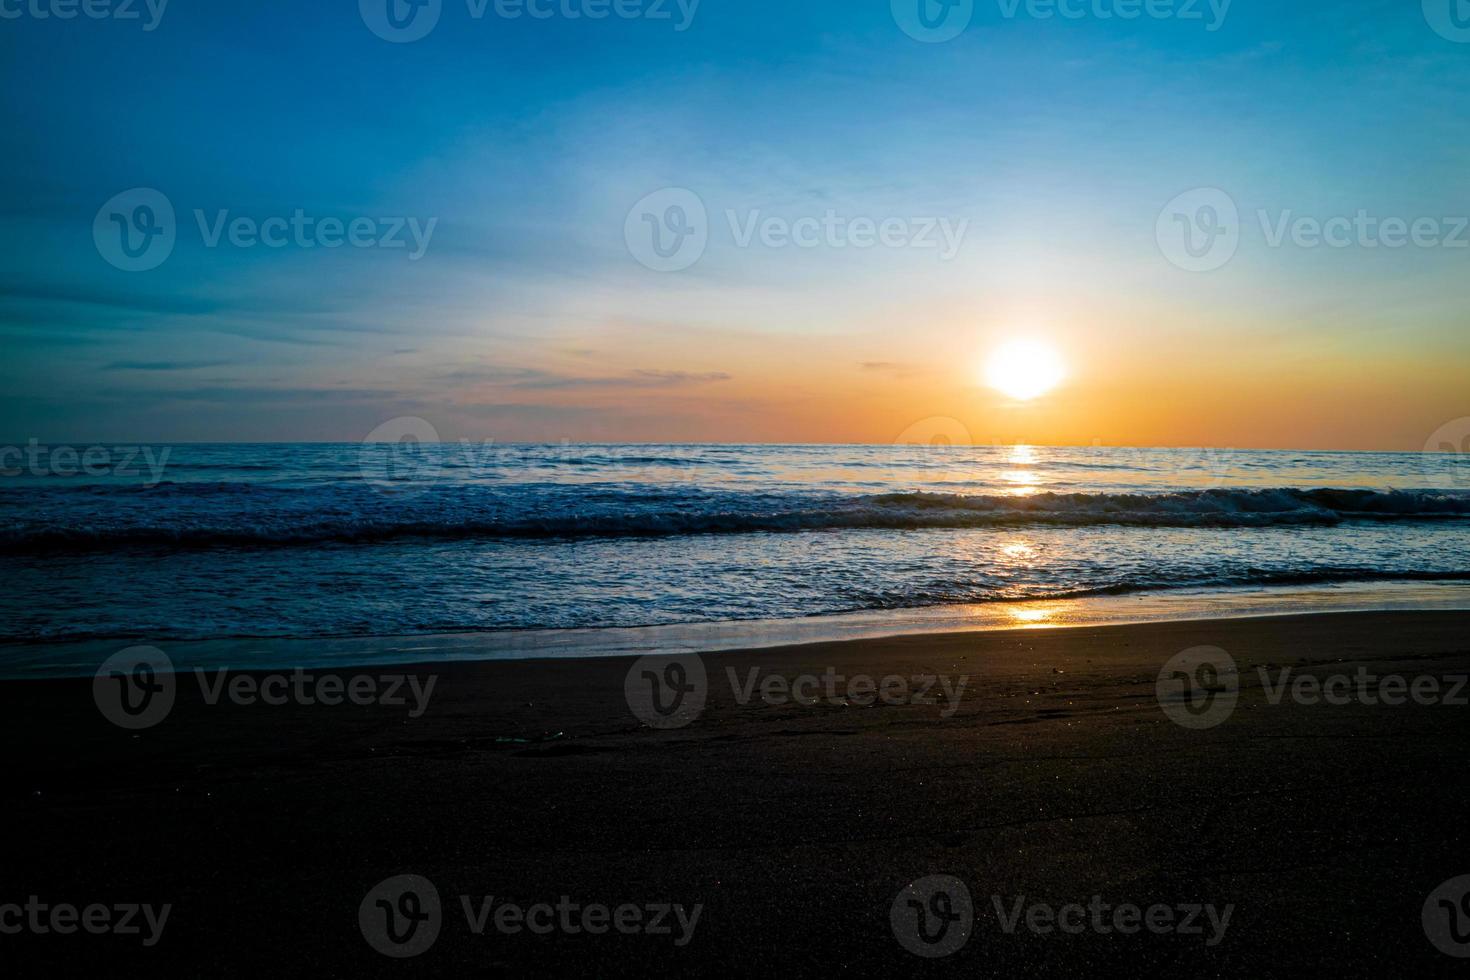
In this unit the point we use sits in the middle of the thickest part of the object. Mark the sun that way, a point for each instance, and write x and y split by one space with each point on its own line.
1024 369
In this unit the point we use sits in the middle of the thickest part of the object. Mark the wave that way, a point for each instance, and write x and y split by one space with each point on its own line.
180 519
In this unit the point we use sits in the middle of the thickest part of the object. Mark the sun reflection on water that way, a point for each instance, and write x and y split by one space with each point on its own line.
1042 615
1022 455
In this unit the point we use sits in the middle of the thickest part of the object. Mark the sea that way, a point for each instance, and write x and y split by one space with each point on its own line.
149 544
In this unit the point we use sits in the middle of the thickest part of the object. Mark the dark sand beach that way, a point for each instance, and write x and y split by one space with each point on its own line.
794 827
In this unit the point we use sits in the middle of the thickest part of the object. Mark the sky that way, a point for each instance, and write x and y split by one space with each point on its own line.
852 209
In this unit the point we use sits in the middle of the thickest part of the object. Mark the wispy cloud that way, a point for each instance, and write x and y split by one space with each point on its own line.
893 369
537 380
164 365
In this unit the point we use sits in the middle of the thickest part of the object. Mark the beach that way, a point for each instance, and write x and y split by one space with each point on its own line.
779 825
656 489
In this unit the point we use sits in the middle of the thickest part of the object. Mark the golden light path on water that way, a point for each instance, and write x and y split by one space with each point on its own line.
1044 615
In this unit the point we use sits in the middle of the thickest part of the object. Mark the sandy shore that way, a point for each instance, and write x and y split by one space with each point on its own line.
1039 770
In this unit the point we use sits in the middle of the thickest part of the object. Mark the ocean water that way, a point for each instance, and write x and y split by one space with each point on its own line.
320 540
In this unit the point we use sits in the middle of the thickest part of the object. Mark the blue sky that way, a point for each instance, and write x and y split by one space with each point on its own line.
526 142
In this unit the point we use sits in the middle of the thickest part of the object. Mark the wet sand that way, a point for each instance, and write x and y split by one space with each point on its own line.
794 827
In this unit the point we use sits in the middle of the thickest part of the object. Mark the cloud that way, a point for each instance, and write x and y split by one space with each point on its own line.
246 395
891 368
163 365
532 379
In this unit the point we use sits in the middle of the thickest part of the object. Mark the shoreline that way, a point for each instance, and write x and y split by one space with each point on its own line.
57 659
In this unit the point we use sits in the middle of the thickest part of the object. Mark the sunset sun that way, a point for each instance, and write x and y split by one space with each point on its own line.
1024 369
